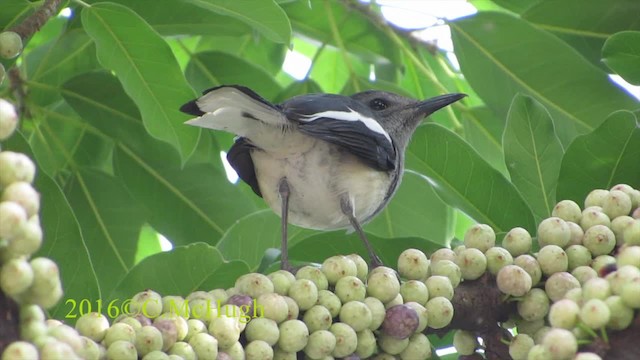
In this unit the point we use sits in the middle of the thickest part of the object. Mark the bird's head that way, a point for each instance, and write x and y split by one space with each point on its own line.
400 115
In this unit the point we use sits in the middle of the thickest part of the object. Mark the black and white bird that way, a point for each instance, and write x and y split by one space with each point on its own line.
320 161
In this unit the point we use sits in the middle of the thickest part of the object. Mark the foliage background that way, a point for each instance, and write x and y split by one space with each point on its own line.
100 91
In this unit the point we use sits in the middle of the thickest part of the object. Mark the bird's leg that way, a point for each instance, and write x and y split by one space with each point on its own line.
284 191
347 208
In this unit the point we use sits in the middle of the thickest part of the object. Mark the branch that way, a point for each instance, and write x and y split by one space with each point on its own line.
35 21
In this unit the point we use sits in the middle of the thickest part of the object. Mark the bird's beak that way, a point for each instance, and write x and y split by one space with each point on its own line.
432 105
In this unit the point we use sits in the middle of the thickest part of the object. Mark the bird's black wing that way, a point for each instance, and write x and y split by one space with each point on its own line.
239 157
344 122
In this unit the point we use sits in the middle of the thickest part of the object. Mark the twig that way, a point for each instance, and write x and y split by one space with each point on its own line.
35 21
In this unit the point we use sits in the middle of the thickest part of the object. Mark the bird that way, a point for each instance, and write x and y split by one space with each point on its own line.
320 161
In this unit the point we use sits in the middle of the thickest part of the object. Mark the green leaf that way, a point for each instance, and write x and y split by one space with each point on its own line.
603 158
255 50
415 211
181 271
356 32
251 236
209 69
533 153
171 17
517 6
14 11
148 243
483 130
463 180
585 24
621 52
265 16
496 52
147 70
110 221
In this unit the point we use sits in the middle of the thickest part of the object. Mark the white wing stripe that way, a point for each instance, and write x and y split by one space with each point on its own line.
352 115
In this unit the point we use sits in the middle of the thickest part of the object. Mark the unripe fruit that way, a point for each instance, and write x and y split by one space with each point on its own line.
616 203
630 191
122 350
480 236
631 233
444 254
621 314
534 305
558 284
419 347
257 350
378 312
15 167
225 330
464 342
304 292
156 355
350 288
603 263
12 218
361 266
578 255
264 329
147 303
148 339
413 264
414 290
584 273
24 194
294 335
330 301
564 314
619 225
513 280
346 340
356 314
119 332
439 286
383 285
596 288
281 280
599 239
8 115
337 267
10 44
587 356
205 346
517 241
20 350
440 311
594 216
629 255
447 268
423 316
93 325
567 210
595 313
595 198
529 327
552 259
391 345
472 263
630 294
169 331
561 344
16 276
314 274
254 285
319 318
400 321
274 305
553 231
497 258
183 350
520 346
576 233
366 344
321 344
531 266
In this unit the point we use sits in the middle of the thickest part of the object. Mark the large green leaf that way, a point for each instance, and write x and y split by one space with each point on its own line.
209 69
533 153
415 211
483 130
621 53
146 68
110 221
171 17
256 50
316 19
463 180
585 24
603 158
180 271
14 11
496 52
265 16
251 236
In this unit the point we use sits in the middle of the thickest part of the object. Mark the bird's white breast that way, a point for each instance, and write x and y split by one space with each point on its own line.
319 173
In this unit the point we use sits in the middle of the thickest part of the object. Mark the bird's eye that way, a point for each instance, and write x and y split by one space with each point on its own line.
378 104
